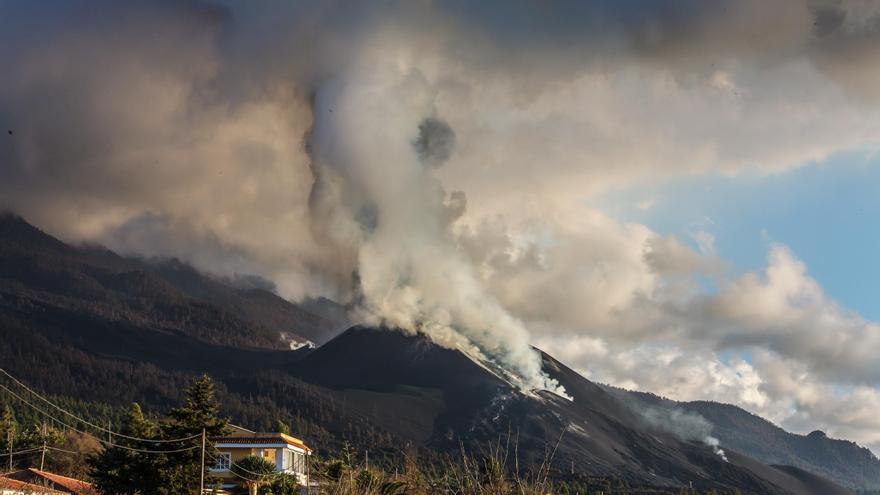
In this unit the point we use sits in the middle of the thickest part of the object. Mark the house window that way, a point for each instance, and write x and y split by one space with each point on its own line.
287 462
224 461
293 461
299 464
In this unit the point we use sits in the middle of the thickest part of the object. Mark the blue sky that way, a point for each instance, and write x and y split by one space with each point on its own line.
826 213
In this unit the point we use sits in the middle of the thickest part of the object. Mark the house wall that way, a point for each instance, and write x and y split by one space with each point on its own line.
273 455
237 455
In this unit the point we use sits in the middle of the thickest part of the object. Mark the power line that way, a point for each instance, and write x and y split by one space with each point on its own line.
26 451
64 451
113 433
270 475
262 475
105 430
105 442
266 478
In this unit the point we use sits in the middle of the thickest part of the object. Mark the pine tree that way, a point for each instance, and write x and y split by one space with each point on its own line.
181 471
123 472
7 422
281 427
8 432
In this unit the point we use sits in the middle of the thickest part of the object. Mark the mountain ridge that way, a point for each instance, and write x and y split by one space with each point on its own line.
87 323
840 460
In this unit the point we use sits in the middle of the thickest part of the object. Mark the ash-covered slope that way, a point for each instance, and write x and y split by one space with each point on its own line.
842 461
460 402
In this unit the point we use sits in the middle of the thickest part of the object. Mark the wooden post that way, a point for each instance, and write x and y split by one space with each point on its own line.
43 453
9 434
202 467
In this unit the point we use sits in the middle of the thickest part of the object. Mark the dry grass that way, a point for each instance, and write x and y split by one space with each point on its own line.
495 472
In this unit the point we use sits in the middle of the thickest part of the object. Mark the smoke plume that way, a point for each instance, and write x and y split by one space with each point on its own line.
374 131
684 425
714 442
440 167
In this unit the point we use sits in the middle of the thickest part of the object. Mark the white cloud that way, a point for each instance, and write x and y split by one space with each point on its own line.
811 362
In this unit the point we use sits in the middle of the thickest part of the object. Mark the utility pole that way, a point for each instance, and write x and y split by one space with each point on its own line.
43 453
202 467
9 435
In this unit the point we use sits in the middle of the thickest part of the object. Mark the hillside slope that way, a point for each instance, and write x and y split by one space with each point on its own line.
842 461
89 327
37 269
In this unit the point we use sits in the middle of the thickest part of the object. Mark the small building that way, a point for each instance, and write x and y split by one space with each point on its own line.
14 487
63 484
287 453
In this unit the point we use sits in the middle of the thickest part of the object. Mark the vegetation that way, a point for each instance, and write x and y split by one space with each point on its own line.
465 474
36 442
255 471
97 332
120 471
130 467
281 427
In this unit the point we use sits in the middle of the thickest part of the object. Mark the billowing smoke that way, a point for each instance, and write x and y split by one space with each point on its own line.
374 132
435 142
684 425
714 442
176 129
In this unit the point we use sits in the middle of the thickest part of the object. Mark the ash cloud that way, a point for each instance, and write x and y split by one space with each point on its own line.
436 141
410 274
180 129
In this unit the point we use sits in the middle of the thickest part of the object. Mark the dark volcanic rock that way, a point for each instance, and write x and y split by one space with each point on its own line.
842 461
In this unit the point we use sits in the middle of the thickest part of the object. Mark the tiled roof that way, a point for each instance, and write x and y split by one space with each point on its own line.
262 438
11 484
72 484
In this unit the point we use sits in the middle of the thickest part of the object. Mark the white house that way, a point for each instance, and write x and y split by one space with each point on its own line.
289 454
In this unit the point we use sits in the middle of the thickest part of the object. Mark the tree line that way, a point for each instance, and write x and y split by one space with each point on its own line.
161 456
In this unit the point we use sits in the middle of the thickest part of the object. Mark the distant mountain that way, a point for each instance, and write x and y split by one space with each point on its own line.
254 304
36 268
842 461
94 329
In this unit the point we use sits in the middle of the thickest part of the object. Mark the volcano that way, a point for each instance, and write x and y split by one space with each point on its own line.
442 399
100 331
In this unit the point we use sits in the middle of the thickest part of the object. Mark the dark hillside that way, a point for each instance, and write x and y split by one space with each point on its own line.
843 461
37 268
100 331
